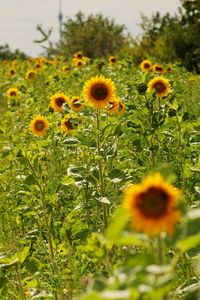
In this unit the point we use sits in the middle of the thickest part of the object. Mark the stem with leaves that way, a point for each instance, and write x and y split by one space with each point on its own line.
102 185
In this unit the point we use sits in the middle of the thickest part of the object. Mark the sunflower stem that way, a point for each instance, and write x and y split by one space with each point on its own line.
102 187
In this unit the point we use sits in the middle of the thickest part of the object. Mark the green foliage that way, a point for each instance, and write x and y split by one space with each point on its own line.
95 35
7 54
173 38
63 231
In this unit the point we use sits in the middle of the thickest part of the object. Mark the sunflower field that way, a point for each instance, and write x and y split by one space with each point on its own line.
99 180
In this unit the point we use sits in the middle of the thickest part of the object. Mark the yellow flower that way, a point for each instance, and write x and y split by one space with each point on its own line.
67 124
12 72
122 107
39 125
78 55
157 69
146 65
65 68
58 100
152 205
31 74
99 91
12 92
75 104
112 60
113 106
79 63
161 86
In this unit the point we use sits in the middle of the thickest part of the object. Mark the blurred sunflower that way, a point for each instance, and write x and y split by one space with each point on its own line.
157 69
12 72
79 63
122 107
12 92
146 65
78 55
161 86
152 205
75 104
39 125
112 60
113 106
99 91
57 101
67 124
30 75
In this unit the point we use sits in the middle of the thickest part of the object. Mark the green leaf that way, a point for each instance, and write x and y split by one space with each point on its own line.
188 243
120 220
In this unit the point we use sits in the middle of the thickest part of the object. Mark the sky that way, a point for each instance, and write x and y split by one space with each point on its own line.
19 18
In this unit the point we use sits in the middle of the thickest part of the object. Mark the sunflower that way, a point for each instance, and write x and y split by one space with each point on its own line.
57 101
67 124
75 104
79 63
12 92
146 65
12 72
113 106
78 55
112 60
122 107
31 74
152 205
160 85
99 91
39 125
158 69
65 68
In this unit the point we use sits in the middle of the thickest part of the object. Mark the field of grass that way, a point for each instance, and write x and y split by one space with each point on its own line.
99 181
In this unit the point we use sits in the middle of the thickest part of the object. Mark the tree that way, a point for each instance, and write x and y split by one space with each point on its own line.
7 54
94 35
173 38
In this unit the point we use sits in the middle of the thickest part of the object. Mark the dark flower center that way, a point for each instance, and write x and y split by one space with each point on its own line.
146 65
79 56
31 75
76 103
113 60
59 101
39 125
69 125
79 64
159 69
153 203
13 94
99 91
159 87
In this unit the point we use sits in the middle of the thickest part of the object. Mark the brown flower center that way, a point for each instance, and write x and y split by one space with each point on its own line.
69 125
146 65
31 75
159 69
113 60
153 203
99 91
159 87
13 94
59 101
79 63
39 125
76 103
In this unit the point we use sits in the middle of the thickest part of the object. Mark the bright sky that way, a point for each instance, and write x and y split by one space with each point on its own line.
19 18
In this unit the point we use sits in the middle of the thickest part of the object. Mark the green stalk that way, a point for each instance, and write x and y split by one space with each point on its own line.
19 281
102 186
